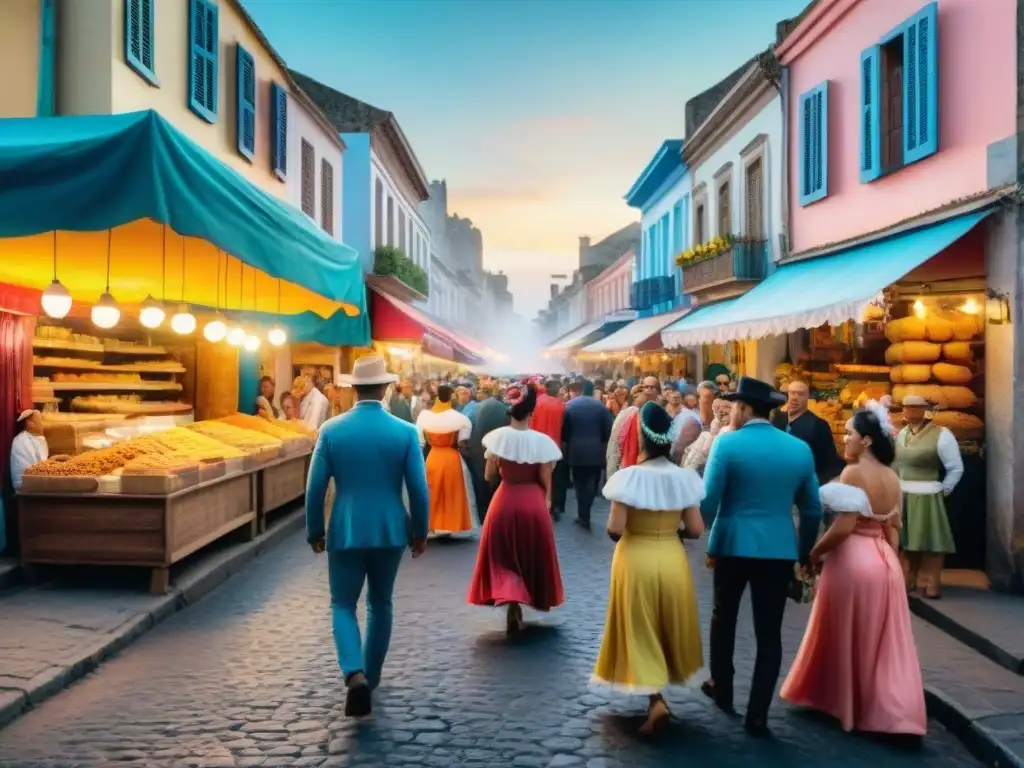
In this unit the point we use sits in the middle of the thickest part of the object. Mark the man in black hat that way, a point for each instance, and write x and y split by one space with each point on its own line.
754 477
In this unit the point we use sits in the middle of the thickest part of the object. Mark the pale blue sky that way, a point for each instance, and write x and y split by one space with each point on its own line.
539 113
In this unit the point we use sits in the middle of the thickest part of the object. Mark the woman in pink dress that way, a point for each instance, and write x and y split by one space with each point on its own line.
858 661
517 563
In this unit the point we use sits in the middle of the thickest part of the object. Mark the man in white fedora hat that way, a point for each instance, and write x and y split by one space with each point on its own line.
371 456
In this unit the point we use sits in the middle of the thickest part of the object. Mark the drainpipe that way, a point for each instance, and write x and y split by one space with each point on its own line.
787 216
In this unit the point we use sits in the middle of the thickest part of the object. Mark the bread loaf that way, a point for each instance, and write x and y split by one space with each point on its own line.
957 420
910 374
965 327
913 352
958 398
938 328
958 351
906 329
947 373
933 393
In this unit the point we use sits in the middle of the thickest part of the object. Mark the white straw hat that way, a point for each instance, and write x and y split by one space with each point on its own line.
367 371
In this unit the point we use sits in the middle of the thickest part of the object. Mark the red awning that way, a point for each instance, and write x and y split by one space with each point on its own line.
393 320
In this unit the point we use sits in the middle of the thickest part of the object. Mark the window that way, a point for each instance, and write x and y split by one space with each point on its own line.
279 130
245 83
663 245
308 178
327 196
378 213
410 233
138 38
202 60
677 231
754 225
401 231
899 96
699 219
391 221
814 144
724 209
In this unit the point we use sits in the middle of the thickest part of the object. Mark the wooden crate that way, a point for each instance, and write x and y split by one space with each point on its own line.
278 483
124 529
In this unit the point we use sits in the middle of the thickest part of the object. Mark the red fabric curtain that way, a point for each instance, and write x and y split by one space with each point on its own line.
16 332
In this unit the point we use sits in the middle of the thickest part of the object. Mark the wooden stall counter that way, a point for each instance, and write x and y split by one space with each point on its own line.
149 531
279 482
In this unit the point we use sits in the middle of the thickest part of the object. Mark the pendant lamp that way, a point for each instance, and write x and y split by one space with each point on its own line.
152 313
105 312
183 322
252 343
217 329
276 336
56 300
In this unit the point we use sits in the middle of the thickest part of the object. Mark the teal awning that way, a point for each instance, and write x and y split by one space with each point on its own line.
828 289
338 330
96 172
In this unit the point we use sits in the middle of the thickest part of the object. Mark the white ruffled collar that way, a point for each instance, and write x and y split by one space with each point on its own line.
850 500
657 485
521 446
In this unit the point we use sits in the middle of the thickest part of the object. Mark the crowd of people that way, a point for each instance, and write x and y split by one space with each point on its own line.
740 459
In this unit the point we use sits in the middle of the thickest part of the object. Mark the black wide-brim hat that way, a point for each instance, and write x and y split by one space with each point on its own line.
755 392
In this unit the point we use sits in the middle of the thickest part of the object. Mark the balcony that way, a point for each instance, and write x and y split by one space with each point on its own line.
729 273
652 291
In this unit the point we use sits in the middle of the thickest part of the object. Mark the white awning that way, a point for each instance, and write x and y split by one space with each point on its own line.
590 332
634 335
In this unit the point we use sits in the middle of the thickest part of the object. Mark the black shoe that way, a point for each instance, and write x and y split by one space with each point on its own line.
584 524
722 701
757 727
358 703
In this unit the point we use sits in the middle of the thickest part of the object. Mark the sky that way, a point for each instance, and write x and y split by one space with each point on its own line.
540 114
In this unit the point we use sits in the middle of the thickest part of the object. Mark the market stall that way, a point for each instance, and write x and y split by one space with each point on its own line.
152 499
636 349
902 316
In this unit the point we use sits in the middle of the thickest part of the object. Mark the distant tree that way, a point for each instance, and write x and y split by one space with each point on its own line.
391 261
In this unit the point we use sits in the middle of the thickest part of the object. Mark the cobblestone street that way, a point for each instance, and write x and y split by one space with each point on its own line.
247 677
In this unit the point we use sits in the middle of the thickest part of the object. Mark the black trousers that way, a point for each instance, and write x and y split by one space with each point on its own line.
585 481
559 486
483 490
769 582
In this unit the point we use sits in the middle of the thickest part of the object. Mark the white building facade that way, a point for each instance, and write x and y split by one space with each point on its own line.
315 168
395 218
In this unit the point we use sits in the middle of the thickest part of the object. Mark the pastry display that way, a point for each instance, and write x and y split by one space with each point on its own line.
94 463
193 444
129 405
98 378
913 352
245 440
255 423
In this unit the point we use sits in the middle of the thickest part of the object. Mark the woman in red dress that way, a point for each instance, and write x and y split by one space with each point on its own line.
517 563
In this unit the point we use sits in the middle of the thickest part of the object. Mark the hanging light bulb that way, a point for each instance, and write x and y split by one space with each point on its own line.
215 330
105 312
252 343
970 306
56 300
236 336
152 313
919 308
183 322
276 336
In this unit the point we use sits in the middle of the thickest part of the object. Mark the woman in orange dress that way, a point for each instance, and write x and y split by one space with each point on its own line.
452 502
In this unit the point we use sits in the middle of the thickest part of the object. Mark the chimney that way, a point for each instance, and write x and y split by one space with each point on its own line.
554 290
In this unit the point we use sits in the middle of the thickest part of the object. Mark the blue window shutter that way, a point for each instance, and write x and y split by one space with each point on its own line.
139 50
246 87
203 59
921 85
279 130
870 118
814 144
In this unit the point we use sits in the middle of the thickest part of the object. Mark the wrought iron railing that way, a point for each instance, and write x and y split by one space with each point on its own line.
742 262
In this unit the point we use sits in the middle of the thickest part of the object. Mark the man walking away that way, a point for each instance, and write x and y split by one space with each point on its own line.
491 414
547 418
586 427
371 455
753 479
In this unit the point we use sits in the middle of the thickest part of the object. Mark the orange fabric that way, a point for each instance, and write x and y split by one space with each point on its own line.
449 505
548 416
439 407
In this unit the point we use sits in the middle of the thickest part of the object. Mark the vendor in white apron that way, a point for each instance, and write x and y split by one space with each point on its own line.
28 447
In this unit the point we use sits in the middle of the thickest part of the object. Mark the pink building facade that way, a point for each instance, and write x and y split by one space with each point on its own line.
901 115
609 291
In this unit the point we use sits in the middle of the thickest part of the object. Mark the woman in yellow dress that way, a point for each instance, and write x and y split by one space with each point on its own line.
652 633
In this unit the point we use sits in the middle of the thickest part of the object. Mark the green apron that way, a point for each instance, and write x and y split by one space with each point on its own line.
925 523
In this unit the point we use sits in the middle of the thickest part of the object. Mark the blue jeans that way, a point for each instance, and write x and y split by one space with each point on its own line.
348 569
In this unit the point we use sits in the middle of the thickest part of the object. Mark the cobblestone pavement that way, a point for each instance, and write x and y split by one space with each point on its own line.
247 677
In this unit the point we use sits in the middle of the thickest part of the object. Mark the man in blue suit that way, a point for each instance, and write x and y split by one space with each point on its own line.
754 477
586 427
371 455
